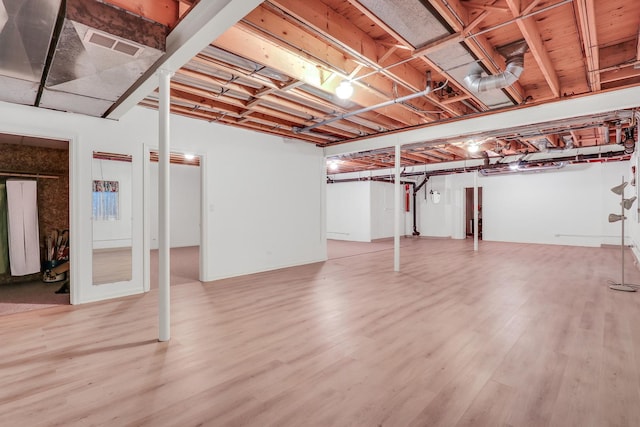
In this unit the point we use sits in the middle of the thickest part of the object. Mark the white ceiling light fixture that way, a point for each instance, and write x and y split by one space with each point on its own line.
473 146
189 156
344 90
333 165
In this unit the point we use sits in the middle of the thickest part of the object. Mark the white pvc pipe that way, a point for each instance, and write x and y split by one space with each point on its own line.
396 211
475 211
164 318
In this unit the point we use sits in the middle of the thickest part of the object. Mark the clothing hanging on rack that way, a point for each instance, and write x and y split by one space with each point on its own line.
24 236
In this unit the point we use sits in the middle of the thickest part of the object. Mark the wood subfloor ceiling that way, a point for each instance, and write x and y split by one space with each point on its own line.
517 335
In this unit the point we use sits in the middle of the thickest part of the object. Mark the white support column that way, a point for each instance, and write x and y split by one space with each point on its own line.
164 308
396 211
475 211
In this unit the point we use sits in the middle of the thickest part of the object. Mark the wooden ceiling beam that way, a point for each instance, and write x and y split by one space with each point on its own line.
373 116
620 74
204 94
328 54
267 53
456 151
342 33
201 95
298 121
235 71
586 16
433 154
279 29
209 79
372 161
441 151
531 34
414 157
479 45
263 115
487 7
638 47
166 12
178 95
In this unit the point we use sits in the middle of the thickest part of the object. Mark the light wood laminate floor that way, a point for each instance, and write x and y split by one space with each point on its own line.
515 335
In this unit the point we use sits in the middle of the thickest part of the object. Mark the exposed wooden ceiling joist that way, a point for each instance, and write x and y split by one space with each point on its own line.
588 28
531 34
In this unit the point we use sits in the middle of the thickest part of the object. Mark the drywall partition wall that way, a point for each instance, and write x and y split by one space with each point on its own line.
349 211
185 205
434 219
568 207
114 233
362 211
382 210
265 206
269 217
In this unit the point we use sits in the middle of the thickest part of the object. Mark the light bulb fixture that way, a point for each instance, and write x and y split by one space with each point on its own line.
344 90
189 156
619 189
615 218
333 165
627 203
473 147
514 166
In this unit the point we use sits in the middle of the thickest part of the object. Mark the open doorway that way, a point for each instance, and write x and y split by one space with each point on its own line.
469 212
34 222
185 211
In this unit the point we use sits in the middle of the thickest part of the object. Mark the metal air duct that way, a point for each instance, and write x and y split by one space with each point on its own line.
101 51
26 27
514 56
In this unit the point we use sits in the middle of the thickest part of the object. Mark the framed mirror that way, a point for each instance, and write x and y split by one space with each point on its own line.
111 217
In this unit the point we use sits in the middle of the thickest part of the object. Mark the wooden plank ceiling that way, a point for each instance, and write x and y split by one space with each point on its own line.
277 70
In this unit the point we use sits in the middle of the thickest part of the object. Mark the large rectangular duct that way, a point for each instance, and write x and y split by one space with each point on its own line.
26 28
101 51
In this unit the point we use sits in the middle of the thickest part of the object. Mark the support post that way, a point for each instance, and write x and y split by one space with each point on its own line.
475 211
164 147
398 201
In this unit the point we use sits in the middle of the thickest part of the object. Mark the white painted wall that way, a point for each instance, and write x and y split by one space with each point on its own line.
185 205
362 211
349 211
114 233
264 195
382 210
566 207
632 224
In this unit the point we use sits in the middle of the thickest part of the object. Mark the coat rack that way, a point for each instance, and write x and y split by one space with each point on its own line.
624 204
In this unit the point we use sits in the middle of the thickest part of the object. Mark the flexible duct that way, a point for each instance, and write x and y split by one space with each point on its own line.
514 56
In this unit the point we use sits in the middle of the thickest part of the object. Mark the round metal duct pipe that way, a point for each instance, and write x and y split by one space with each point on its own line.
514 55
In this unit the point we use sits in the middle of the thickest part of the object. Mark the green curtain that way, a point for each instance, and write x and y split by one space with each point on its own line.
4 234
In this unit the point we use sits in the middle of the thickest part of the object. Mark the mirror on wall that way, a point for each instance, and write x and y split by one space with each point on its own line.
111 217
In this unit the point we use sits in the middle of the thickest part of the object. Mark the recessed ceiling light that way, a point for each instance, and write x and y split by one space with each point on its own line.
344 90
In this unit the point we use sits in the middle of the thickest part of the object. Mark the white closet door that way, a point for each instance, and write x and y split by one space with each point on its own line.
22 219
